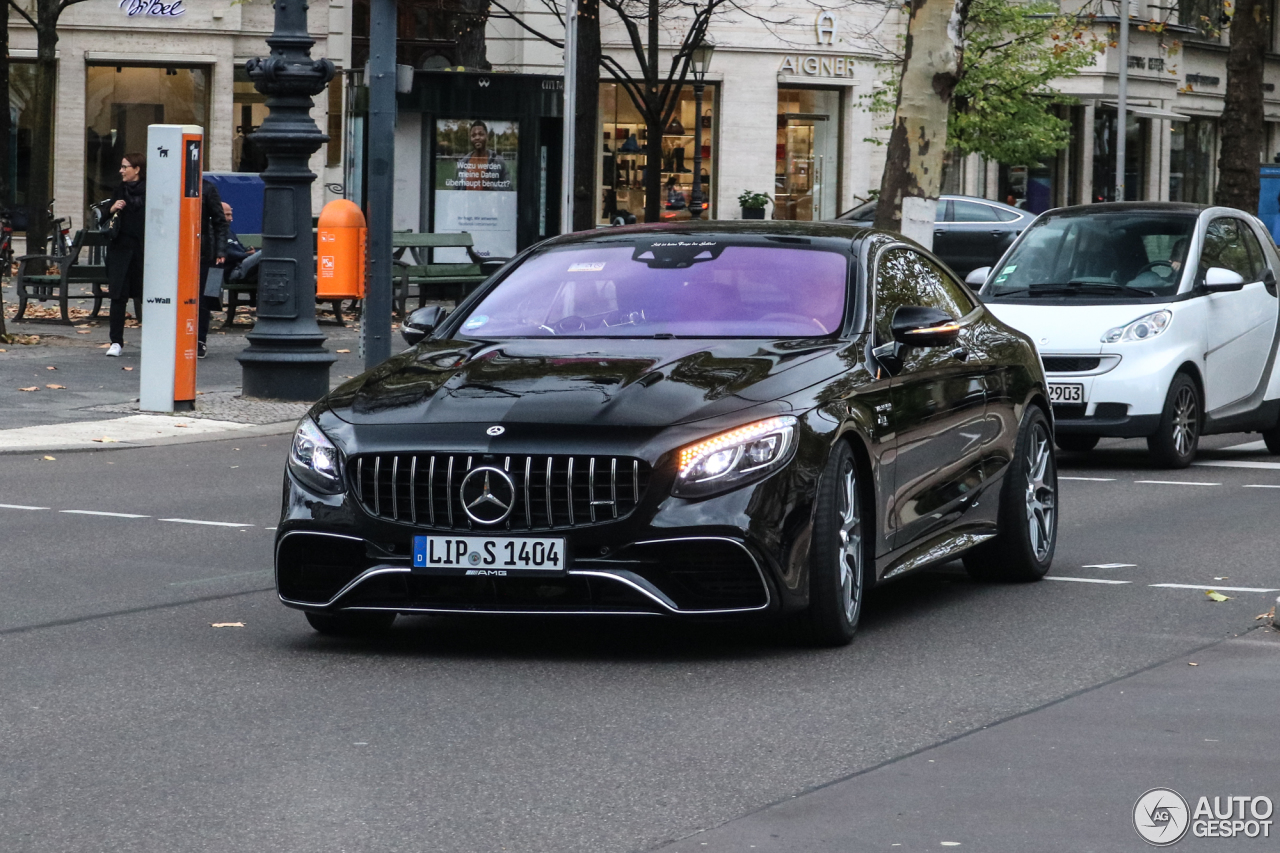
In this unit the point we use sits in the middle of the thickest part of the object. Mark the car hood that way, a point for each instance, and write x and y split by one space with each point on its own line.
1059 328
584 382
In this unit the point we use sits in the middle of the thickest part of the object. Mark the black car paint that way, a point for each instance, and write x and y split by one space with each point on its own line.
934 485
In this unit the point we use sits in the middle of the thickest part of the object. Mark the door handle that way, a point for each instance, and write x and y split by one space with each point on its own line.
960 354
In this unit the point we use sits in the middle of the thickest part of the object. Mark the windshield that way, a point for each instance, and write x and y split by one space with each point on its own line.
864 212
667 287
1109 256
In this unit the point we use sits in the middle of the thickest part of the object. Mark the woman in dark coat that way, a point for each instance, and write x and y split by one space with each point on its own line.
124 253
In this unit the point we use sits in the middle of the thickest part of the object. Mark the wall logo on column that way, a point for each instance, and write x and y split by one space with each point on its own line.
152 8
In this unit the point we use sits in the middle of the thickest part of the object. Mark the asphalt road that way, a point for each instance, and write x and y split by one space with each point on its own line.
128 723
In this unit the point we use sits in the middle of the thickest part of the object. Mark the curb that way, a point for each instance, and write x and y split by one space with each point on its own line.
279 428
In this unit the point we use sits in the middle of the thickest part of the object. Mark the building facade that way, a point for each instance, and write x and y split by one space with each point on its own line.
125 64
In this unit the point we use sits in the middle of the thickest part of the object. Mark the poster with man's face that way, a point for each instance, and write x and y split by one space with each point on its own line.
475 183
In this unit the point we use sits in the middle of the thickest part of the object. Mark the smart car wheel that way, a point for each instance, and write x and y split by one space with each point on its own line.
1077 443
350 624
1028 511
1174 444
1272 438
837 557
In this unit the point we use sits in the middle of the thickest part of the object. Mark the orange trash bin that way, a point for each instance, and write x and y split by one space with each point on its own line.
340 238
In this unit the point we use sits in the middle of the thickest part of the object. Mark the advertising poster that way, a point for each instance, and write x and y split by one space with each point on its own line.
475 185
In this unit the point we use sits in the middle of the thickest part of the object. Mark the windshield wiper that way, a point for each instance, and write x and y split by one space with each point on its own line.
1050 289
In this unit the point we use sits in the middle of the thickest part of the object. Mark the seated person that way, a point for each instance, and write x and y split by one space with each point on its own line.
1164 276
238 253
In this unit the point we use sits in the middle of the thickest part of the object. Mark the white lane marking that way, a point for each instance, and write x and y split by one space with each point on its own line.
263 574
1090 479
108 514
210 523
1259 486
1111 566
1084 580
1239 463
20 506
1251 445
1208 586
1176 483
270 528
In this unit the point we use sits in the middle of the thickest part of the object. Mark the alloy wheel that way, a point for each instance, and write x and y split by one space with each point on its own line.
850 543
1042 497
1186 420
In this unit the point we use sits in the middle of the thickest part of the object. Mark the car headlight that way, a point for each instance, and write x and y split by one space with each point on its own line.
314 460
1140 329
732 458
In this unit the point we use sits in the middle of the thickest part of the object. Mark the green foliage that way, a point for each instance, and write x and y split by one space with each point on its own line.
1004 104
751 200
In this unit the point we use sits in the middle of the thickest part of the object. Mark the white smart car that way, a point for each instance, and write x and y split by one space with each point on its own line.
1152 319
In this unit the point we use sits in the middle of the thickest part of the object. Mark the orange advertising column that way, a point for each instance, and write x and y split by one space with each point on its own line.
340 235
190 216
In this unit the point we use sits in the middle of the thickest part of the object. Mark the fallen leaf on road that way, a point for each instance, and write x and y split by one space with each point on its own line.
105 346
344 350
55 387
1270 614
226 624
105 440
83 332
1222 579
126 368
184 426
1192 664
32 388
50 459
51 368
1216 596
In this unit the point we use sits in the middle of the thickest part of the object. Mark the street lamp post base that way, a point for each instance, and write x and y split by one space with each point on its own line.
288 373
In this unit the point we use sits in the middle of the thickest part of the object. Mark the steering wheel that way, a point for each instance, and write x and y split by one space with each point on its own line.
1150 266
796 318
572 323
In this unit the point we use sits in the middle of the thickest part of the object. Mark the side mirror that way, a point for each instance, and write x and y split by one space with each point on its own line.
978 277
1219 280
918 326
421 323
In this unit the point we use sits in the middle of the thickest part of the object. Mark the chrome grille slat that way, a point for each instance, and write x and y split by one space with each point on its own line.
542 508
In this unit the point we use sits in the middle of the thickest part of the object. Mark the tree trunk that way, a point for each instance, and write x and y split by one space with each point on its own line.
653 125
43 94
470 26
6 130
586 138
1243 127
912 179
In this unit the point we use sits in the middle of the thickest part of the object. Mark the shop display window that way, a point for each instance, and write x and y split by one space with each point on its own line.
248 110
122 100
624 160
22 85
1193 151
807 171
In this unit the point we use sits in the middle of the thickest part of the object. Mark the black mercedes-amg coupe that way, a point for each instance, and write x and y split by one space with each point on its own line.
682 420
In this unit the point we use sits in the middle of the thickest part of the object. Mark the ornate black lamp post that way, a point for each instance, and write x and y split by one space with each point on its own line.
699 63
286 358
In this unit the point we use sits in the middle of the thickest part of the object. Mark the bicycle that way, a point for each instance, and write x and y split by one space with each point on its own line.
59 234
101 222
6 244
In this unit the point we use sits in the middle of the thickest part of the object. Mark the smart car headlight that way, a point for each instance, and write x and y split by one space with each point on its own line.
735 457
314 460
1147 326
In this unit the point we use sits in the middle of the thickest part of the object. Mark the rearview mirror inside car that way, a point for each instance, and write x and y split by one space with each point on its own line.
1218 280
421 323
978 277
918 326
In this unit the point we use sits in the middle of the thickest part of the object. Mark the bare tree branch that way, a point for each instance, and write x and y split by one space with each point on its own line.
23 13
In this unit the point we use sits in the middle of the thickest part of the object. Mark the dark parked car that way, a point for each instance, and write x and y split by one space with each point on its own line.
680 420
969 232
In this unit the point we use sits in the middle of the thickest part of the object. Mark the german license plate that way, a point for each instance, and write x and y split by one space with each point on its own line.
1063 393
488 556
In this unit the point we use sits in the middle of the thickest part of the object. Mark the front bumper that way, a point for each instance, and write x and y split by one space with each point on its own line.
1125 393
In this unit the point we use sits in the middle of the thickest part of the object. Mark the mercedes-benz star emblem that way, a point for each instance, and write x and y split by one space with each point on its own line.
488 495
495 430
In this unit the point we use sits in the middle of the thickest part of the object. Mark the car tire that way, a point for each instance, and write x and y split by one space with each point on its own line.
1272 438
1174 443
350 624
1077 443
838 551
1028 513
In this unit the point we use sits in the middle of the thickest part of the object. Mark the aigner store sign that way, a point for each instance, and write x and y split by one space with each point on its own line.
817 66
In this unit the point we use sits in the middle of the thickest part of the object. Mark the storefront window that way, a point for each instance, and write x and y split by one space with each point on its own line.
248 109
1104 157
22 80
1193 145
807 171
625 161
122 100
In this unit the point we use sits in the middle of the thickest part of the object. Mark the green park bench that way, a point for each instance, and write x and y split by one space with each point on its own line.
45 277
235 290
437 280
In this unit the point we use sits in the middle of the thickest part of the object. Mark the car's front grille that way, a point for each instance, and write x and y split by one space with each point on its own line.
550 492
1070 363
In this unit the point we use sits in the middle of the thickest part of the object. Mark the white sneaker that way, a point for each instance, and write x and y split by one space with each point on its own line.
114 350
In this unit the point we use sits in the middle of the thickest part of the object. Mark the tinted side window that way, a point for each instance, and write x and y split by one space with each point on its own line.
1005 215
1225 247
904 278
971 211
1257 259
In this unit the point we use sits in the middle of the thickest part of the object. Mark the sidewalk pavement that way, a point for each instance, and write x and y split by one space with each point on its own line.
1066 776
81 397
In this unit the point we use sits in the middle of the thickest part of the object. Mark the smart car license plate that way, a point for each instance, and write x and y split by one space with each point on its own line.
1063 393
488 556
